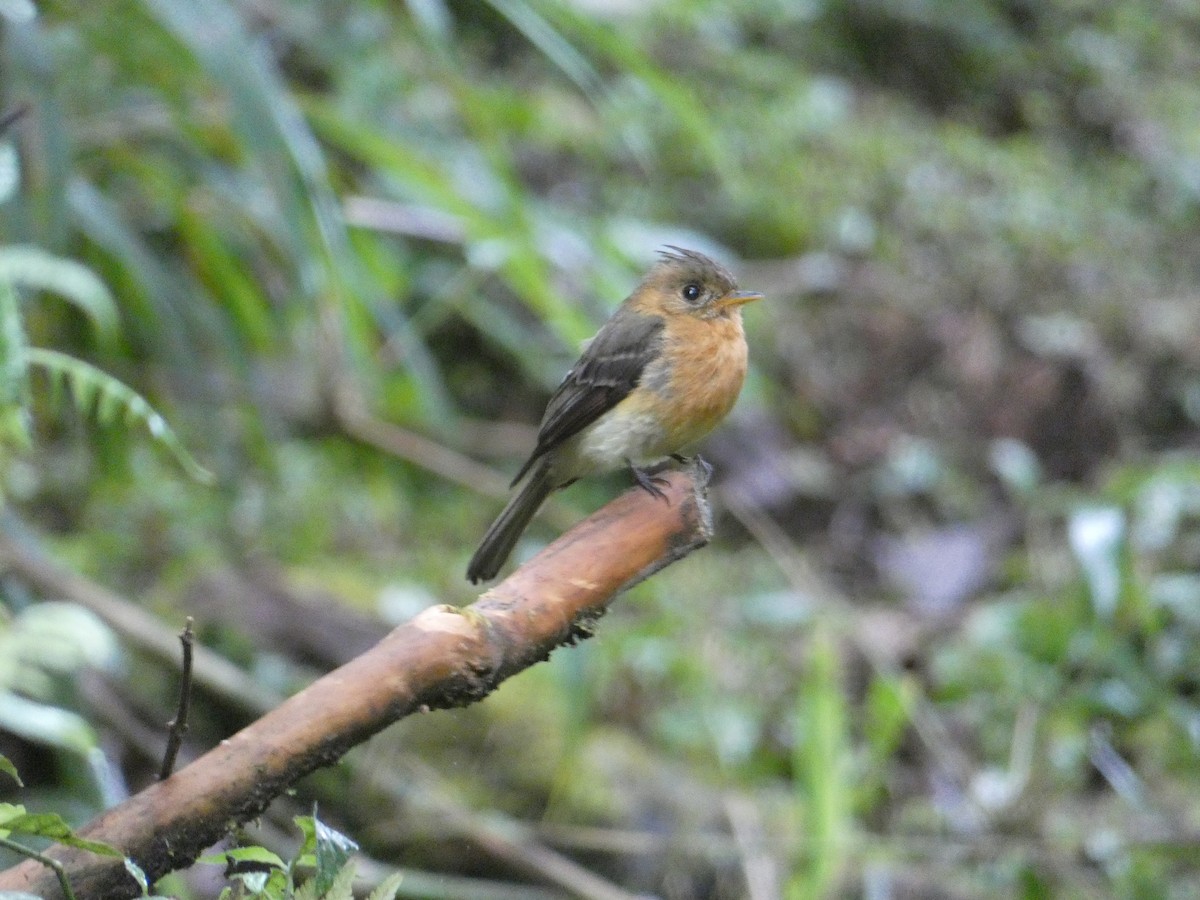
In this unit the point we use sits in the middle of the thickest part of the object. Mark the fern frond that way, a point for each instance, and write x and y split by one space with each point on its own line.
343 884
109 400
388 887
76 283
341 887
14 415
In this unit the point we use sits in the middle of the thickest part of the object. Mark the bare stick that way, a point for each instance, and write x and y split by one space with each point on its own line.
178 726
20 553
11 116
445 657
501 837
350 410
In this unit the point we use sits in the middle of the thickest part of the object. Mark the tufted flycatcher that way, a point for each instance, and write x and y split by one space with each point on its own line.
660 374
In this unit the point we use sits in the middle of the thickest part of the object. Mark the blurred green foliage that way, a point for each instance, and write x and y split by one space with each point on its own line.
945 645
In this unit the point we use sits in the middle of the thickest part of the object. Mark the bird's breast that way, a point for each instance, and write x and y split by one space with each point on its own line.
704 367
681 396
630 431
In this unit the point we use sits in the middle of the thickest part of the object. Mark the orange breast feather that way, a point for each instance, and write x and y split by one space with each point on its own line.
708 366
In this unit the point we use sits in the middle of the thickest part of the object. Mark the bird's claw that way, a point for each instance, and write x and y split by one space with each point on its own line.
651 484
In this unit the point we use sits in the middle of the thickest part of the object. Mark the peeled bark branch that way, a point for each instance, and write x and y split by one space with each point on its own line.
445 657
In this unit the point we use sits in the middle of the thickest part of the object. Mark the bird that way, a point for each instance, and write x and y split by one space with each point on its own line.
658 376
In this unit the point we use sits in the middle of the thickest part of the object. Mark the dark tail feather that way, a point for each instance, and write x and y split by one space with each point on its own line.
500 539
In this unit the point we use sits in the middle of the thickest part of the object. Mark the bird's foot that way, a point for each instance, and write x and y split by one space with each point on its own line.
651 484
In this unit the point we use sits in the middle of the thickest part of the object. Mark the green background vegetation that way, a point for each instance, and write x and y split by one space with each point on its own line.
945 644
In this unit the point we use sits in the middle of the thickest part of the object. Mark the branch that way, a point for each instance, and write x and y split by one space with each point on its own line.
20 553
350 411
7 119
445 657
178 726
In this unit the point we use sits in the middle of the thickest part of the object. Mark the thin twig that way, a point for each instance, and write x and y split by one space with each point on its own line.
350 411
782 550
115 713
178 726
407 219
759 866
714 847
22 553
501 837
12 115
418 450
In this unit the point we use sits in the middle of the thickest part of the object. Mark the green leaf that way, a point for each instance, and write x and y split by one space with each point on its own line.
333 852
33 267
138 874
886 715
308 828
256 884
10 171
343 884
45 724
388 887
18 12
97 393
433 19
59 638
341 887
553 45
9 811
221 264
822 752
8 768
253 854
676 97
267 115
1097 537
156 300
54 827
14 366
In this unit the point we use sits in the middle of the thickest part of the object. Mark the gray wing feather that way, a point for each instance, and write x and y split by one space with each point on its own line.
608 370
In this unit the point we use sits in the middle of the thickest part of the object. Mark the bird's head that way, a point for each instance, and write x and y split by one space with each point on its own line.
688 282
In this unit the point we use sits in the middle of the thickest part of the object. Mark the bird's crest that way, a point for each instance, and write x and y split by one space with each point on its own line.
702 266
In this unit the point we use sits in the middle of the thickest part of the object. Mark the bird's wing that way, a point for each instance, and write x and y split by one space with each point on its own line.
607 371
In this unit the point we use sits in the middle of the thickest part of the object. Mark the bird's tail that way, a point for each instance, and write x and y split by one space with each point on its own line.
500 539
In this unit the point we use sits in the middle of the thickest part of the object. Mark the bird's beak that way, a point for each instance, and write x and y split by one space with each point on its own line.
738 298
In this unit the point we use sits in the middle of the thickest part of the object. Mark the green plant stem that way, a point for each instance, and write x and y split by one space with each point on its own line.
54 864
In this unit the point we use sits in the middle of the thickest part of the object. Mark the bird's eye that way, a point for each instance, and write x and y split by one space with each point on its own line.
691 293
